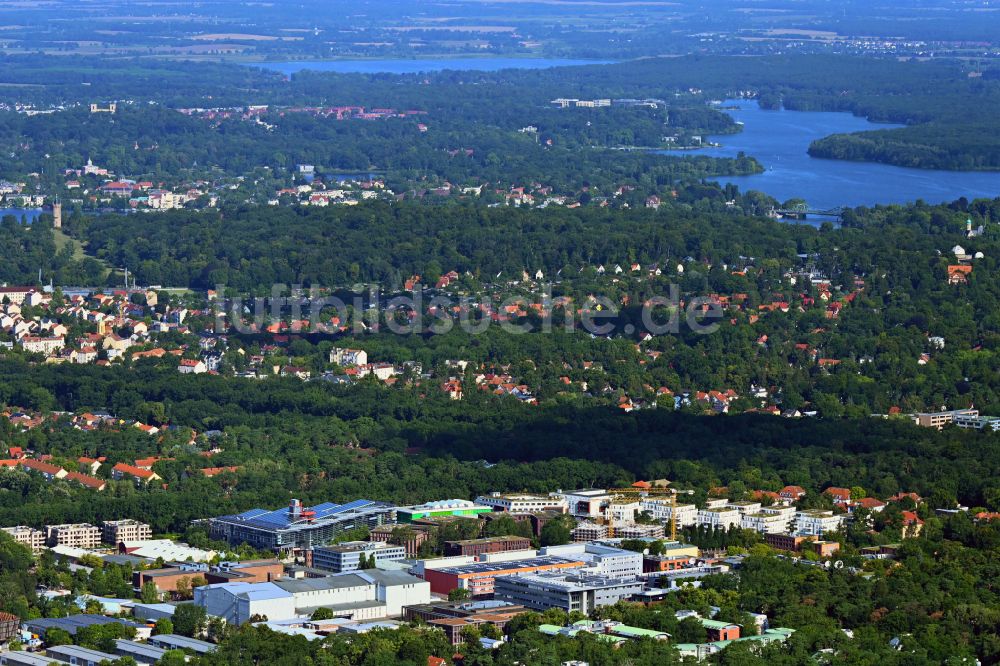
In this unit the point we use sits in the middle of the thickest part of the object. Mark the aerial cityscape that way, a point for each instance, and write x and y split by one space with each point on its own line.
500 333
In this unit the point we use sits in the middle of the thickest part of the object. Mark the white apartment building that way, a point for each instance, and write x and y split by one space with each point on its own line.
117 531
39 345
769 520
745 507
719 518
660 509
15 294
621 513
74 535
522 503
28 536
817 522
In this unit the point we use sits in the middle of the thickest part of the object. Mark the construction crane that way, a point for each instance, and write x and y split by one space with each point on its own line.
641 491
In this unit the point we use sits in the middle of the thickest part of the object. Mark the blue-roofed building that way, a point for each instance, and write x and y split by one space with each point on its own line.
298 529
152 612
22 658
175 642
238 602
143 653
73 622
78 656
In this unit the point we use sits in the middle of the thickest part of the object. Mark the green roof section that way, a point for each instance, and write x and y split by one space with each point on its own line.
638 632
715 624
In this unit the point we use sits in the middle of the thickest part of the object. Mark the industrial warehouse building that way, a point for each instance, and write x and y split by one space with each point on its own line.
344 557
570 592
362 595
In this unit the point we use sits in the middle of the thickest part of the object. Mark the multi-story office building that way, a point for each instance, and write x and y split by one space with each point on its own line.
940 419
359 595
297 528
410 537
441 509
343 557
474 547
522 502
454 617
589 503
479 577
570 592
970 422
599 559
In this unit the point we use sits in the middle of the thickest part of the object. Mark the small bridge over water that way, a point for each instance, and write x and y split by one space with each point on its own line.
802 211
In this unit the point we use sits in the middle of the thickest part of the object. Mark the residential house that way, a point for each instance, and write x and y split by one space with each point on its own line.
189 366
123 471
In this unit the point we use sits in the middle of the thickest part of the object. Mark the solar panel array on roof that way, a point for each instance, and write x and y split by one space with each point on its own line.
175 642
252 513
280 517
73 622
357 504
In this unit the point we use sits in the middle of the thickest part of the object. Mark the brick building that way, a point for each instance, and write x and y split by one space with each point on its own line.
473 547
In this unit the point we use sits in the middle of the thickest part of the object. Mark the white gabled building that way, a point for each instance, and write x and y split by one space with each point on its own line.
39 345
190 366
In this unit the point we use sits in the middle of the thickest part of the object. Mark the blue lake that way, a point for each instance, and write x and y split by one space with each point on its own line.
31 214
417 65
779 140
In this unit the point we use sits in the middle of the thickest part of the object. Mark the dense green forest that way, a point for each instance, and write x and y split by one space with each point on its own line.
288 437
568 152
937 145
